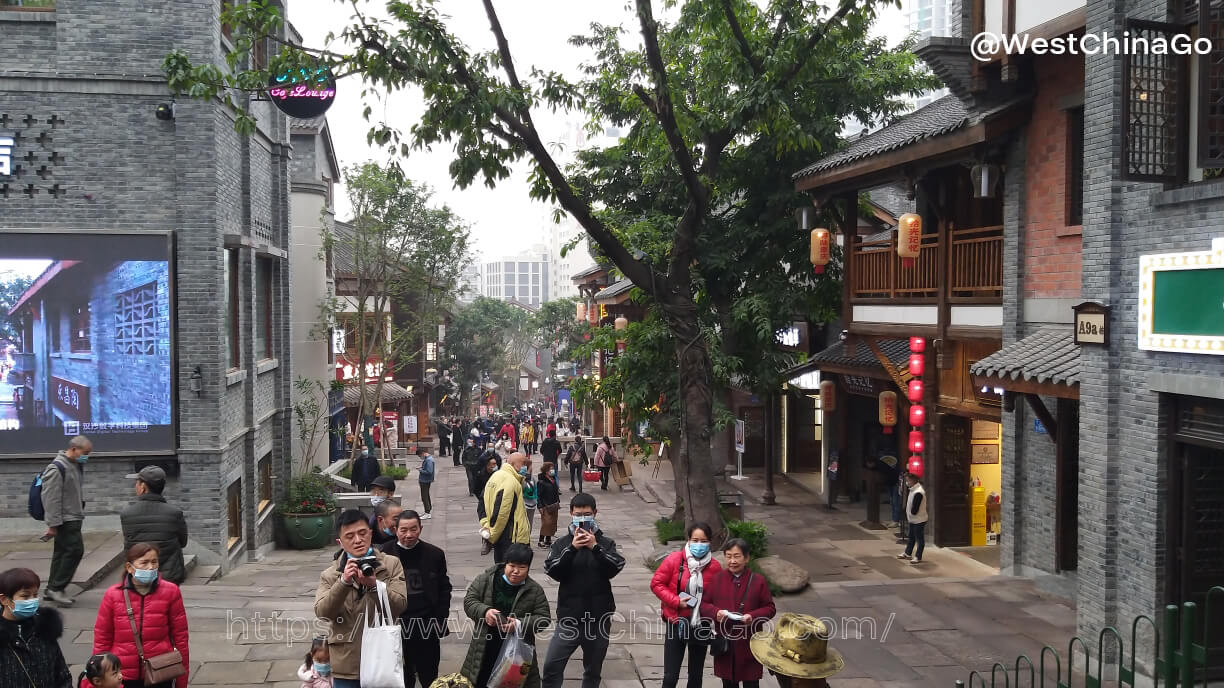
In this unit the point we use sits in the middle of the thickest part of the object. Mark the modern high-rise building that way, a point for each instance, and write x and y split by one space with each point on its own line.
562 268
928 18
522 277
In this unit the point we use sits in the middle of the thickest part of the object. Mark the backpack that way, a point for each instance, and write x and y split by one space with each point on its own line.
35 507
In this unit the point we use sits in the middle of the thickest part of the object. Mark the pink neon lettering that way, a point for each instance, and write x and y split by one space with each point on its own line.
301 91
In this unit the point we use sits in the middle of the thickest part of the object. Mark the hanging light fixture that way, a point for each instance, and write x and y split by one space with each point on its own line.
917 345
580 311
916 364
917 415
915 466
620 324
828 396
909 238
820 248
916 443
985 178
806 217
914 392
888 411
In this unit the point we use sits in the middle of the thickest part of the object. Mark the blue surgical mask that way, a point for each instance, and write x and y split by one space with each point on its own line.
323 668
387 531
24 609
375 501
83 458
699 549
509 583
523 471
145 576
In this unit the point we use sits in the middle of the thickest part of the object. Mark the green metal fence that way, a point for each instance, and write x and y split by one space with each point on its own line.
1180 645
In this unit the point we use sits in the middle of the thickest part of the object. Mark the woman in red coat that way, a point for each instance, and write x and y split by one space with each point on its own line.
743 604
684 603
157 607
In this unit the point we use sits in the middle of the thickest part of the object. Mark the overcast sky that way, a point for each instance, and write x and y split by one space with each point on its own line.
504 220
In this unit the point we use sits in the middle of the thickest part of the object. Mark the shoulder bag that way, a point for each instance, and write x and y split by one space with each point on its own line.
703 632
720 644
158 668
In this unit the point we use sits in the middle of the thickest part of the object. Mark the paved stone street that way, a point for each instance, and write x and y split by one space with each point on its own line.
252 627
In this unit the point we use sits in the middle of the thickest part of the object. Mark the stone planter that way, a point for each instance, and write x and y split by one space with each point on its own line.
309 531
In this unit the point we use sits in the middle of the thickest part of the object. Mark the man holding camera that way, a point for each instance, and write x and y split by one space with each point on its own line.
346 596
584 563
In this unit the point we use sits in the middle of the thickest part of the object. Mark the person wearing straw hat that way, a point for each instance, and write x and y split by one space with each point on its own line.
797 652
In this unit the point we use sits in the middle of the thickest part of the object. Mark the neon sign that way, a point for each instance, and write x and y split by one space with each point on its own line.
303 93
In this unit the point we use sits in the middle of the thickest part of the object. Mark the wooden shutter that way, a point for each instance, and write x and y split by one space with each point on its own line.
1152 111
1211 87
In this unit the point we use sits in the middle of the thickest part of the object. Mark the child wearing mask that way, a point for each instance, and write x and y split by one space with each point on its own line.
316 671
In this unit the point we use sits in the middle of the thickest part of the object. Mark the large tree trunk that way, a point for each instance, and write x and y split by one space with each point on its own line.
699 491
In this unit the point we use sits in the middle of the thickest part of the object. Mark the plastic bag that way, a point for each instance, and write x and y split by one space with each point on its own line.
382 654
514 662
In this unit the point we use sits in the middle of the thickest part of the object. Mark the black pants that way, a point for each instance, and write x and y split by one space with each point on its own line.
917 535
471 477
499 549
569 635
575 470
603 476
139 683
735 684
421 659
673 655
426 504
66 556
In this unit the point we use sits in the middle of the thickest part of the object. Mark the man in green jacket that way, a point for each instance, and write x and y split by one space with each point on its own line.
63 496
151 519
501 601
506 515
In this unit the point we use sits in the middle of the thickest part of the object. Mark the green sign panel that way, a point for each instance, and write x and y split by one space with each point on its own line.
1188 302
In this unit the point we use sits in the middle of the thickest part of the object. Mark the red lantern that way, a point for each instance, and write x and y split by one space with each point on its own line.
828 396
888 411
917 415
820 243
916 444
915 466
620 346
909 238
917 345
914 393
916 365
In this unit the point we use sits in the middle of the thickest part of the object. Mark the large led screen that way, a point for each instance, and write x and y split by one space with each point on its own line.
85 341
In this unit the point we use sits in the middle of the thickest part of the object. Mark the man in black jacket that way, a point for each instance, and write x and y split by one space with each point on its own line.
150 519
550 448
584 563
429 594
471 464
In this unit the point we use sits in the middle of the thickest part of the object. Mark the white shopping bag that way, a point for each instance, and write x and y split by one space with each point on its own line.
382 655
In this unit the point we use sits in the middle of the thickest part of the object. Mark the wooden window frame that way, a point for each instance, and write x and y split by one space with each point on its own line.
233 507
233 314
1204 21
80 320
1075 167
263 304
1179 103
227 31
265 483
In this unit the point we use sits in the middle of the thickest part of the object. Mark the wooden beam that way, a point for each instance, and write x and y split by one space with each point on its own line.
1046 389
894 373
893 330
1043 414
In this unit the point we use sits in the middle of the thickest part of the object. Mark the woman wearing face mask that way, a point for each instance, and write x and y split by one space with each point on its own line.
530 495
29 634
548 501
157 615
504 446
680 583
499 600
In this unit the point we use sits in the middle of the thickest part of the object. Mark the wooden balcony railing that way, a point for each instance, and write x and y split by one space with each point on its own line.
975 266
876 272
974 272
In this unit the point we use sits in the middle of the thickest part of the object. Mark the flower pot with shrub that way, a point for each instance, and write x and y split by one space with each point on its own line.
309 511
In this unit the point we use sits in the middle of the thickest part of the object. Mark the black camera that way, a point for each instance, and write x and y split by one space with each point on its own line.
366 565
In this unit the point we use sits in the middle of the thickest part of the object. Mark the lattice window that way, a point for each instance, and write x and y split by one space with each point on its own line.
136 321
1183 11
1152 107
1211 87
263 231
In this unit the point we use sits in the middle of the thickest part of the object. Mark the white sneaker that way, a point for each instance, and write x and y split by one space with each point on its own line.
60 598
426 516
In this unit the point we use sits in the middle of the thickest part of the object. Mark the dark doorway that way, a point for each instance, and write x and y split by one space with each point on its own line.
754 436
951 481
1066 526
1196 511
807 432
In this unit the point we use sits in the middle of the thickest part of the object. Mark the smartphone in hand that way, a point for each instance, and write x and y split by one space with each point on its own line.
44 537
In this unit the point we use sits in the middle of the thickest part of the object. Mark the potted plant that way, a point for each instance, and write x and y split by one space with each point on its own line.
308 511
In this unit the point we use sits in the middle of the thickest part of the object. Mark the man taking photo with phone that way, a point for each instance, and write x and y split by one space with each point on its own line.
584 562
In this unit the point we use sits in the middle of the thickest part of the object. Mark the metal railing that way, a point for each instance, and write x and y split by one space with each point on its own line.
1181 655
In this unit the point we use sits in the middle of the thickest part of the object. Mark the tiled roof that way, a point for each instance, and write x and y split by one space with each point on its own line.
306 124
1048 355
390 392
863 358
343 260
615 289
940 117
594 269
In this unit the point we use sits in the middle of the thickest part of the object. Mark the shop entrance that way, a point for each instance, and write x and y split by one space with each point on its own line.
1196 506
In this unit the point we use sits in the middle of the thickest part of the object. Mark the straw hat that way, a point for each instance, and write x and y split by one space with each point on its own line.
798 647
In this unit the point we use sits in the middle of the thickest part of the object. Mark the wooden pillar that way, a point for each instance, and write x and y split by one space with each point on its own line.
771 406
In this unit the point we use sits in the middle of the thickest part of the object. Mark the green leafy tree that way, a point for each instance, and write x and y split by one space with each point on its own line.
12 286
476 343
557 328
723 80
402 272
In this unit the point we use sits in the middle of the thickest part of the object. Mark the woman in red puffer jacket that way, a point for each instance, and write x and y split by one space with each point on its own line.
157 607
683 603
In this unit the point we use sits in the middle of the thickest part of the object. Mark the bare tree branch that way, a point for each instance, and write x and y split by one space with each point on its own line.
784 16
503 49
817 35
740 38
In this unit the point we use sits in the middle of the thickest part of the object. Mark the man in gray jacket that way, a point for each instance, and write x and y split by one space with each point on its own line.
63 498
150 519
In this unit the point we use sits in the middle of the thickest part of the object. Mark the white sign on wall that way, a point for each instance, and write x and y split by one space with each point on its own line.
338 340
6 154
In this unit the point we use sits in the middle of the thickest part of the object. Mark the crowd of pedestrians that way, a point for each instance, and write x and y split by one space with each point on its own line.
385 566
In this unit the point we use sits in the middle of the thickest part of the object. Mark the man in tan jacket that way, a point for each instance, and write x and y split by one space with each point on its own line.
346 597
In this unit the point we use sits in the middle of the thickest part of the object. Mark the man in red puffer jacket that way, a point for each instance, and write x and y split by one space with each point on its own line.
157 609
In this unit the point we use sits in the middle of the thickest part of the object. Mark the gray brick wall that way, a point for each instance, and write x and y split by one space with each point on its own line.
119 168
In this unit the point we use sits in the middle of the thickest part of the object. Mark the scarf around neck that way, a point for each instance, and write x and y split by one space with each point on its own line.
696 586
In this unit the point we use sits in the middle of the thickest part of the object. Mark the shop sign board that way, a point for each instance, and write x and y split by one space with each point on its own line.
739 435
303 93
71 399
861 385
410 424
1181 301
347 369
1091 323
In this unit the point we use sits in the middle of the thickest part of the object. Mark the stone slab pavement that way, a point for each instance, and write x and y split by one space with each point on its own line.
253 626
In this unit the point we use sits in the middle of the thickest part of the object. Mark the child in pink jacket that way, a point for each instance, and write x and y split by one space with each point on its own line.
316 671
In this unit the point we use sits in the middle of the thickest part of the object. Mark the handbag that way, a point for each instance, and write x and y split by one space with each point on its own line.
158 668
382 653
720 644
